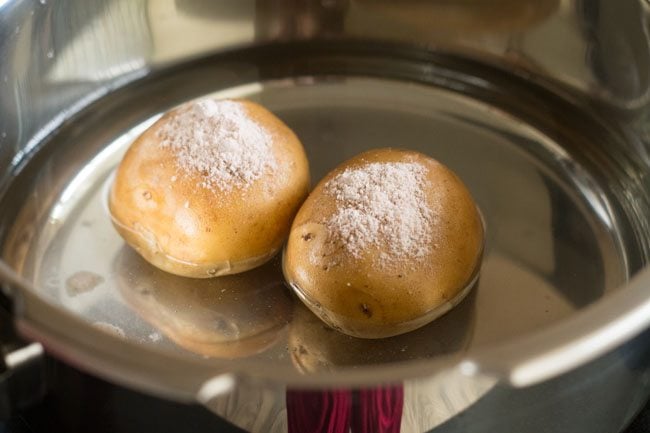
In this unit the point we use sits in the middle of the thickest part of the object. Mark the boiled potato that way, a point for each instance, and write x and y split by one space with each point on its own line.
210 189
386 242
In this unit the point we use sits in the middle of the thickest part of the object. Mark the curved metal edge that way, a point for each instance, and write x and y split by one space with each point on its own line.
571 343
526 361
115 359
22 368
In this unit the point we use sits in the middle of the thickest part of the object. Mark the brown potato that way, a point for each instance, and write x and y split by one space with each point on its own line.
386 242
189 215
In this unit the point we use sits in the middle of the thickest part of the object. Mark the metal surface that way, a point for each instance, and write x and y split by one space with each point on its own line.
550 136
599 397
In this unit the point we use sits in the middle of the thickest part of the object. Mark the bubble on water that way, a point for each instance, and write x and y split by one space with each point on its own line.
50 54
43 2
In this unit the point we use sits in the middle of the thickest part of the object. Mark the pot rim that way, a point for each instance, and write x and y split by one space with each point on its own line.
522 361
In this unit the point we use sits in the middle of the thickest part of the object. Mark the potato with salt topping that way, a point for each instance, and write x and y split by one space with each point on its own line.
210 189
387 242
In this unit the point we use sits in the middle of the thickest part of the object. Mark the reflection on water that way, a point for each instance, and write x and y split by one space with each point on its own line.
225 317
315 347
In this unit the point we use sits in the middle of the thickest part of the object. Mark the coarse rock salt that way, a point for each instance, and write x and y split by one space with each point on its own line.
218 139
382 204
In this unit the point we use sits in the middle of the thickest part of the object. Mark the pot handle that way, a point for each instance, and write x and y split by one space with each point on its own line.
22 379
22 366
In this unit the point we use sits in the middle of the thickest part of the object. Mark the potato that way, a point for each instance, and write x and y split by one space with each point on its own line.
387 242
210 189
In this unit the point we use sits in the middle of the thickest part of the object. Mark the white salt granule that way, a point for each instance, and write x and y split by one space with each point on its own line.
218 139
382 204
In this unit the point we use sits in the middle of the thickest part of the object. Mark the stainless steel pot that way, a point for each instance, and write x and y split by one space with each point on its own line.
541 107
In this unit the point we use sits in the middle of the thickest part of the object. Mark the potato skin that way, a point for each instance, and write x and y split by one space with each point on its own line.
197 232
359 298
